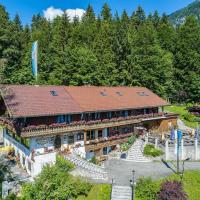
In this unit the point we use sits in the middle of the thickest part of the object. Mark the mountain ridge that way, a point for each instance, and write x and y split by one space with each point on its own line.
179 16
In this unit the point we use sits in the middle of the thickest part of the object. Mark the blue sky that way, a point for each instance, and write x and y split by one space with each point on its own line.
26 8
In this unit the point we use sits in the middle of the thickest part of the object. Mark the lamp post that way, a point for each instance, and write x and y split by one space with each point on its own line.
183 165
132 183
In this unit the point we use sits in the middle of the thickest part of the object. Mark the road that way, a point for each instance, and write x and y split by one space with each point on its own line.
121 170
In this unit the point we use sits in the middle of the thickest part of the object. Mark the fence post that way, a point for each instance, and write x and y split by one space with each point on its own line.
146 138
166 150
196 149
182 149
156 142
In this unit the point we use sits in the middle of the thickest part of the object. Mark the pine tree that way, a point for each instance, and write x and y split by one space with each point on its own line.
187 60
151 66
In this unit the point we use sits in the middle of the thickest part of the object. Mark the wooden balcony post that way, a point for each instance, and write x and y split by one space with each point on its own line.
85 136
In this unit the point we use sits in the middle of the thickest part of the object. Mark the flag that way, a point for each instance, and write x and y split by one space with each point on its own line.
35 58
172 135
196 136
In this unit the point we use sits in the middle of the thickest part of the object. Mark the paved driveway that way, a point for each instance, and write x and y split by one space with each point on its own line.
121 170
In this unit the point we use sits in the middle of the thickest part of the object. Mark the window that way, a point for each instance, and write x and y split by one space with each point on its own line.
68 118
53 93
71 139
100 133
80 136
60 118
90 135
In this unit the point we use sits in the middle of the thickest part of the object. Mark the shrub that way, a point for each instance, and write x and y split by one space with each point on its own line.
172 190
146 189
124 147
191 118
150 150
94 160
131 140
63 164
55 183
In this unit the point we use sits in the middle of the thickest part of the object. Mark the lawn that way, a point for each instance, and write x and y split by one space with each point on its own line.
191 182
183 114
148 189
98 192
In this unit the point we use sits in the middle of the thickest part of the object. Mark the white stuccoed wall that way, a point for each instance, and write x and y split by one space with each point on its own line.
1 134
41 161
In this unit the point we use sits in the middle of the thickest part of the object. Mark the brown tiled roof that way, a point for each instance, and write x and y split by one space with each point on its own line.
24 100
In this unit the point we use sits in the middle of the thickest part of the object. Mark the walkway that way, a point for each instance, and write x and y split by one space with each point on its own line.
121 171
86 169
121 193
135 153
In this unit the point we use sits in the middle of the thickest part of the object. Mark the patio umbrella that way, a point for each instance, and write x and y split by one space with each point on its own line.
196 135
172 135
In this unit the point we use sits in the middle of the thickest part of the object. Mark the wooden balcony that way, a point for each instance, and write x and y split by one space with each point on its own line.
106 142
56 129
75 128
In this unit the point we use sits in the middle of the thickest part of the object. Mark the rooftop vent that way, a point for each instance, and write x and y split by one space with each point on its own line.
53 93
103 94
142 94
119 93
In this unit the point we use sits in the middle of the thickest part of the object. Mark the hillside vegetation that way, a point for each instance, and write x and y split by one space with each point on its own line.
179 16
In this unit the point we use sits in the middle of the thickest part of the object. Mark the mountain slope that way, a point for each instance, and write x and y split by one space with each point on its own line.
179 16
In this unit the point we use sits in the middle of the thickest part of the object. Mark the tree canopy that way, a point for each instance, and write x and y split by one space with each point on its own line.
112 50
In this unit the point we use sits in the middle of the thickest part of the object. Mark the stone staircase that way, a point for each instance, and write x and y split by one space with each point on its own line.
121 193
135 153
87 169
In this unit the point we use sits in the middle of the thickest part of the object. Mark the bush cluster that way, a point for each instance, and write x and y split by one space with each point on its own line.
150 150
172 190
125 146
146 189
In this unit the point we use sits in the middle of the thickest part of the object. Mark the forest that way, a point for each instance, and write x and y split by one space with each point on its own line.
105 50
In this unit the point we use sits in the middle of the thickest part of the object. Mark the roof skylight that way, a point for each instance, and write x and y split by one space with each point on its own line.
53 93
119 93
142 94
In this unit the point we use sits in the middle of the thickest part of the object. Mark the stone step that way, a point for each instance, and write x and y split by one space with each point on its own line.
121 193
135 153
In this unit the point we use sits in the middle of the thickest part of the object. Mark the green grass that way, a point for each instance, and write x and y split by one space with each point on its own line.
150 150
182 111
98 192
191 185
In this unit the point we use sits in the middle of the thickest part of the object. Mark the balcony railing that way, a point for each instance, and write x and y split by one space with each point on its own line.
59 128
93 145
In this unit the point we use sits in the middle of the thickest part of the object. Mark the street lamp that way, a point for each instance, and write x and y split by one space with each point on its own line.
183 165
132 183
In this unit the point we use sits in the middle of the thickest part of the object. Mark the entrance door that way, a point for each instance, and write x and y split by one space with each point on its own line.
57 142
105 152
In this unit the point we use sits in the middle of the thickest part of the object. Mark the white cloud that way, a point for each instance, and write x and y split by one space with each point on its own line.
51 13
75 12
